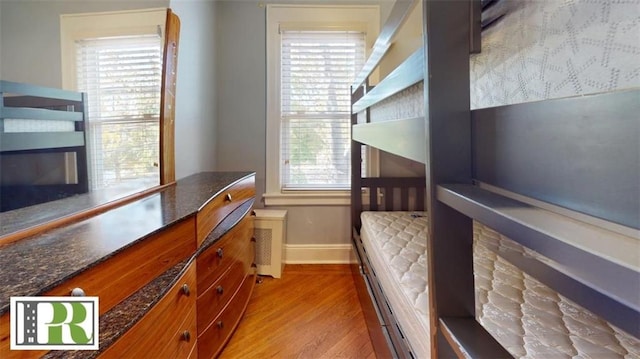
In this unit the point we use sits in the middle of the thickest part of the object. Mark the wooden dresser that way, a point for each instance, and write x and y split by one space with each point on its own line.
173 271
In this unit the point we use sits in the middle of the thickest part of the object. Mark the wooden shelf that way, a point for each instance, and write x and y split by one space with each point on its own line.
594 267
469 339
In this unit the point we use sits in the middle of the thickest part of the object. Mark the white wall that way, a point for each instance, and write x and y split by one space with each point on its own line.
196 133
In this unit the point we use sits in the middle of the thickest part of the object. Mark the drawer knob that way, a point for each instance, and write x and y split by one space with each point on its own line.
185 290
77 292
220 324
228 197
186 336
220 252
220 290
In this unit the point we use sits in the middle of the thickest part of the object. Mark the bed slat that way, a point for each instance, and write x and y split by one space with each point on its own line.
373 198
388 198
420 194
394 187
404 197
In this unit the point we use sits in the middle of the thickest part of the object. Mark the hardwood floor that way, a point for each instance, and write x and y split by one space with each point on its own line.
311 312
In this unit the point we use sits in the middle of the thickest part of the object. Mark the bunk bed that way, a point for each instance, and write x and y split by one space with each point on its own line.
528 213
42 144
388 218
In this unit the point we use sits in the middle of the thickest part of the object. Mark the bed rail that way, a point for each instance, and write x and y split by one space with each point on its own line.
404 137
38 103
410 72
579 162
41 127
399 13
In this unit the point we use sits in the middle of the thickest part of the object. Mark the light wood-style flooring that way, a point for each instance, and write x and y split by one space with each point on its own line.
311 312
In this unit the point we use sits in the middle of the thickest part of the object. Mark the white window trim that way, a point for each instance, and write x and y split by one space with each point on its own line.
81 26
304 17
74 27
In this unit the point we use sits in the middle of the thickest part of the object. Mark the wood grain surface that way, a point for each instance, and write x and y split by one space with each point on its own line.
311 312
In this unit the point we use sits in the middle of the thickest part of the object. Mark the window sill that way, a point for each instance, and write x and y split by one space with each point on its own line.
330 198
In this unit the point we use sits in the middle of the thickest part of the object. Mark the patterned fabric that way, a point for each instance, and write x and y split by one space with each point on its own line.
408 103
530 319
544 49
396 244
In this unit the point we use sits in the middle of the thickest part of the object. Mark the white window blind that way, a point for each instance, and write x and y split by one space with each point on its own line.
122 77
317 68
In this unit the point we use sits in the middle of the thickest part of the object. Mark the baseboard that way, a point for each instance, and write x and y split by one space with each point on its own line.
319 254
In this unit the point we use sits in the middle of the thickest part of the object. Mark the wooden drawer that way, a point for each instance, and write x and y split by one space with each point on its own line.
194 351
116 278
213 339
223 204
183 342
214 261
5 353
162 331
211 302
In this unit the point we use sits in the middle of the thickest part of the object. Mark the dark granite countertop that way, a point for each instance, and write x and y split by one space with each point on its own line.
27 217
123 316
39 263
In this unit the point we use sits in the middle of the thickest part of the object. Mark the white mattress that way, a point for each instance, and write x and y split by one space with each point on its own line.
530 319
396 246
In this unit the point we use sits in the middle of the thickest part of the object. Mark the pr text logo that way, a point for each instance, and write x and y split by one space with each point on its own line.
54 323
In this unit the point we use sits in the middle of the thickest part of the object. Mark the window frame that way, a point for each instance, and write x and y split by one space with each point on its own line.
78 27
75 27
305 17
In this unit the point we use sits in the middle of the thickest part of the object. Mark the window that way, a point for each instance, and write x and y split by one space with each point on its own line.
116 58
122 76
317 69
313 55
